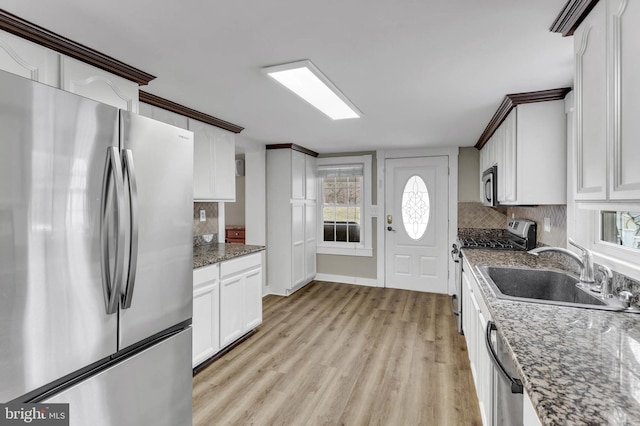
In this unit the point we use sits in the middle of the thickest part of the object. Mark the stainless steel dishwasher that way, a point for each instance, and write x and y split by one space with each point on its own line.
507 387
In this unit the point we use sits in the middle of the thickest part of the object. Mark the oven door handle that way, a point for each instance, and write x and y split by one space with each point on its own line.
516 384
454 308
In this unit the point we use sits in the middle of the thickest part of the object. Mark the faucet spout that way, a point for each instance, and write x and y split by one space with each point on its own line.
585 261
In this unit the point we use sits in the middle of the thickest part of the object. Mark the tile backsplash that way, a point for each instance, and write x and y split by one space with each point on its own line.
207 228
475 215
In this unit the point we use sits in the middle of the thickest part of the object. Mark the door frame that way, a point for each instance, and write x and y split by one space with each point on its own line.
381 157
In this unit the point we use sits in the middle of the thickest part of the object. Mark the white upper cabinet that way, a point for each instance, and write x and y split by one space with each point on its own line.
529 149
298 175
311 181
591 106
164 115
624 86
29 60
214 172
91 82
607 104
538 142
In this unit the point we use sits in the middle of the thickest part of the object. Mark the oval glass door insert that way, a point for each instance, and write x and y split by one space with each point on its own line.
415 207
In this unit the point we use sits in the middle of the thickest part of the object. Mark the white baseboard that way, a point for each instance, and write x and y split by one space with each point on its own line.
345 279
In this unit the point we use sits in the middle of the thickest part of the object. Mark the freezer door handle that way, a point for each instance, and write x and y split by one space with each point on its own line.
130 174
112 183
516 384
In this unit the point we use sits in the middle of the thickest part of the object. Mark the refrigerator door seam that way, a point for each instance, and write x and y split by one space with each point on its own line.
130 173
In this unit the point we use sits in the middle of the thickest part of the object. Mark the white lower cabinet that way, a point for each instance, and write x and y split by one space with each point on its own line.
227 303
529 415
475 317
206 319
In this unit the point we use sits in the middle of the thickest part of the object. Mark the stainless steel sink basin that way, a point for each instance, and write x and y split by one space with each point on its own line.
543 286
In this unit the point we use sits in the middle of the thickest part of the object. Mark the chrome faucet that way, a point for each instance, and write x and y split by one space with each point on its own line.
585 261
605 286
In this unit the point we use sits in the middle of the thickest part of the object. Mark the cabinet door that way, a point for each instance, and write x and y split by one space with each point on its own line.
298 175
94 83
484 384
310 230
298 242
163 115
624 175
214 177
206 313
231 309
310 180
591 106
507 171
29 60
253 298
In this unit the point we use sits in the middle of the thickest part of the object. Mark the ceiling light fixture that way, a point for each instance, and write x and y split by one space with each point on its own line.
307 81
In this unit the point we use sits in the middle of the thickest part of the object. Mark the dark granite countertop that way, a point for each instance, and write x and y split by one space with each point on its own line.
209 254
579 366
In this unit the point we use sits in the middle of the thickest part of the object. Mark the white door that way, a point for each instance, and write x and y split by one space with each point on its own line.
416 223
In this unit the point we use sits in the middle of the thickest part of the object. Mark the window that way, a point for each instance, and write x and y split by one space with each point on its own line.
343 205
621 228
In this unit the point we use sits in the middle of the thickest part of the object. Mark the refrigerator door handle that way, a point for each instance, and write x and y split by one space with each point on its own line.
130 173
112 181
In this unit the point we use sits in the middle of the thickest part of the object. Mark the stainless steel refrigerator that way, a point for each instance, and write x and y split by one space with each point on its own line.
95 258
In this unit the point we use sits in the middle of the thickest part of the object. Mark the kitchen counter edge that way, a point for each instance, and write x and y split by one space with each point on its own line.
209 254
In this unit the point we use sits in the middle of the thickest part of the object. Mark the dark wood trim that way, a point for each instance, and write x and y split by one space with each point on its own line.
39 35
188 112
571 16
513 100
294 147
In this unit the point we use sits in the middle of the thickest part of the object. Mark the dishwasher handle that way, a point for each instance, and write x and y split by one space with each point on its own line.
516 384
454 305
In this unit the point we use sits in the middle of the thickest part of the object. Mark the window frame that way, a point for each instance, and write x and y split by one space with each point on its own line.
343 248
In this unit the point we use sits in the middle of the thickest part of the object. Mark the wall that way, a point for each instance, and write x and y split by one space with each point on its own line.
234 213
468 175
354 266
208 227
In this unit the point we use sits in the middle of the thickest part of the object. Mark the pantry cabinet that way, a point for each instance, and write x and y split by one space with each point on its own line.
213 162
291 219
607 104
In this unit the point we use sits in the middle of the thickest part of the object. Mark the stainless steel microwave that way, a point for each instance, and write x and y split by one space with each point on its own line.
490 186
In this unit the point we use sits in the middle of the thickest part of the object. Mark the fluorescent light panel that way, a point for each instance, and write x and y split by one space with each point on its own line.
307 81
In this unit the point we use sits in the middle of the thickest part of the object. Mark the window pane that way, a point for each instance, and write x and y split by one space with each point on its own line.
341 231
329 214
354 233
622 228
415 207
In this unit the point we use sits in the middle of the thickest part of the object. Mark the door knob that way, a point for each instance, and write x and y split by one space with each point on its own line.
389 228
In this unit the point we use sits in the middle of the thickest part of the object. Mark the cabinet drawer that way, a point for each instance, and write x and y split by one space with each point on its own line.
205 274
240 264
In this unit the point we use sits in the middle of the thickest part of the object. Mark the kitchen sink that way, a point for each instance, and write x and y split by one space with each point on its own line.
543 286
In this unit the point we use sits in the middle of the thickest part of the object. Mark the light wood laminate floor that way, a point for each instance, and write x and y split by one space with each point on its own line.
338 354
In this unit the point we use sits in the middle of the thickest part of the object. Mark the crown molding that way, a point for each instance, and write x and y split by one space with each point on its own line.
571 16
513 100
187 112
294 147
27 30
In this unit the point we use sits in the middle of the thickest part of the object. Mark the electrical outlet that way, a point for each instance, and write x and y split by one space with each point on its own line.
547 224
203 215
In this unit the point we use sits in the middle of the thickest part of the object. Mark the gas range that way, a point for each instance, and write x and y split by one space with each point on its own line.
521 236
491 243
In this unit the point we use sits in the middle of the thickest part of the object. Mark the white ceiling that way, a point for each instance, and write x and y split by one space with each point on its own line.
423 72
